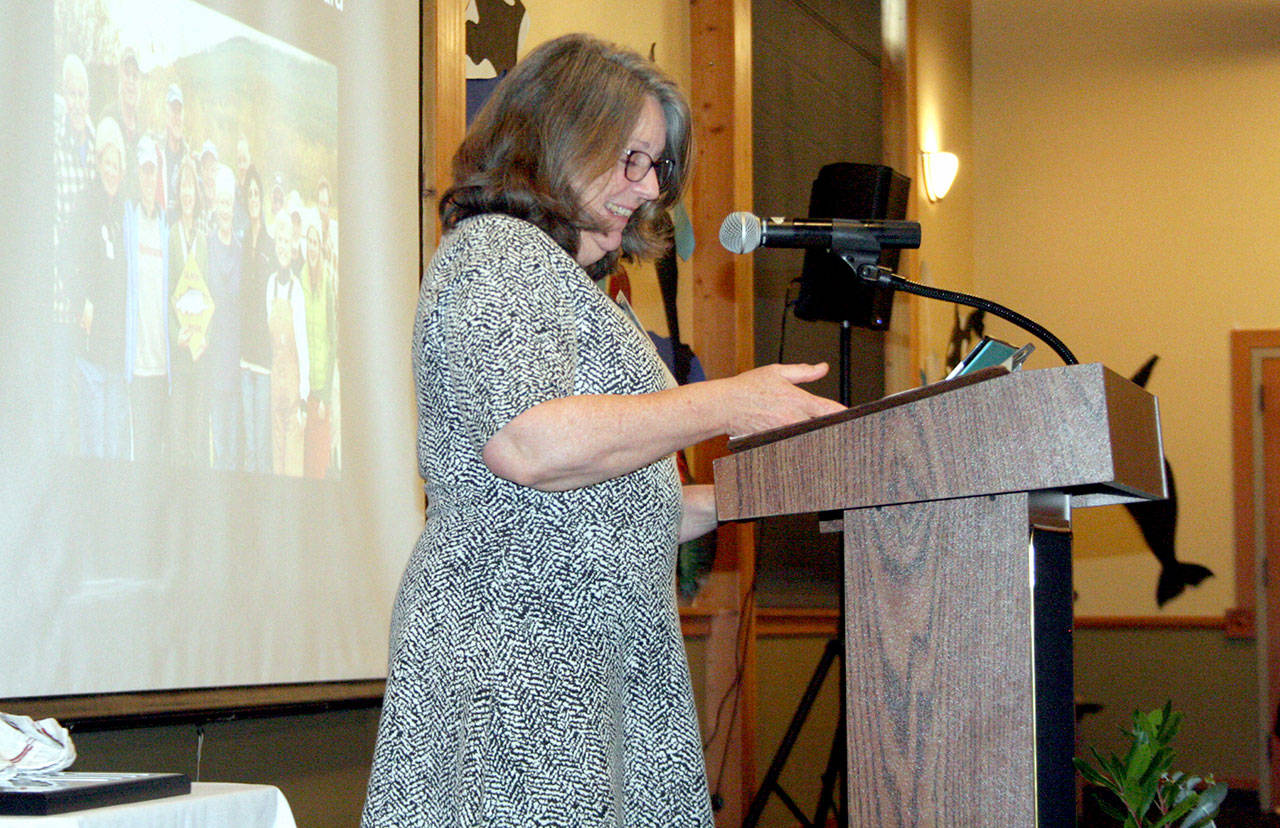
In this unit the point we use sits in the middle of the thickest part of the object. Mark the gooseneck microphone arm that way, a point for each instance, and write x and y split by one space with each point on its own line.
883 277
858 244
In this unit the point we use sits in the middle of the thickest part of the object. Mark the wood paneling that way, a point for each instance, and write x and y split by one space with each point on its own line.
444 105
720 333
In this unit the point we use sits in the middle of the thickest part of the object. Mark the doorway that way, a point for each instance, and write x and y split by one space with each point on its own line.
1255 359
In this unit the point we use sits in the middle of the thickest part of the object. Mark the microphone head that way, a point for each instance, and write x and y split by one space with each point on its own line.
741 232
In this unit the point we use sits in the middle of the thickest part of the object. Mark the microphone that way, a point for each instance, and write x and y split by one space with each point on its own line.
742 232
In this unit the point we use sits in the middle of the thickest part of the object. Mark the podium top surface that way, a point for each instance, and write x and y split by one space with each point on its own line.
1083 430
907 397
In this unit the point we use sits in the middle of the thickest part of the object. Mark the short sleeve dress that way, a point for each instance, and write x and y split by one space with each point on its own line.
537 672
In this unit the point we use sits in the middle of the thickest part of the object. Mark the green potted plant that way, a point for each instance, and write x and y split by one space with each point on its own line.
1144 793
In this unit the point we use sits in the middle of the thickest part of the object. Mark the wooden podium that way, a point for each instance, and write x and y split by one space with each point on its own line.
955 503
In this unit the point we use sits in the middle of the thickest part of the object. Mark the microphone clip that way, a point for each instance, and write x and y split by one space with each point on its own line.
866 266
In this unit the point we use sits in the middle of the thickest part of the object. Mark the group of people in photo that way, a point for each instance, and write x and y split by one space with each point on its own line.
194 302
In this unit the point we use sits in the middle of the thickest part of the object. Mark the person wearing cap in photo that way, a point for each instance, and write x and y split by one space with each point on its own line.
294 211
226 266
277 203
98 295
146 244
175 147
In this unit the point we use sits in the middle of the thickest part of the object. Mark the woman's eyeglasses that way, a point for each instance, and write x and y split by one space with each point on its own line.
637 163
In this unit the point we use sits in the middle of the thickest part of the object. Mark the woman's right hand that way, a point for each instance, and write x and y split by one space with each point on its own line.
770 397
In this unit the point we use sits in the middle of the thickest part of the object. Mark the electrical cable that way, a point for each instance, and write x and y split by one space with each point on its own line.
788 302
887 278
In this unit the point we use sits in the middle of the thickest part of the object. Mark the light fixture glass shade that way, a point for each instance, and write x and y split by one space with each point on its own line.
939 172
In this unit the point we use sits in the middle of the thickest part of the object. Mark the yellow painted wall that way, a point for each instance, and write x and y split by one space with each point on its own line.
944 122
664 26
1124 190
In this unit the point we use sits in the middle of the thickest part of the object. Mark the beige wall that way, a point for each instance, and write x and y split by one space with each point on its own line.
944 122
1123 192
1108 189
639 26
636 25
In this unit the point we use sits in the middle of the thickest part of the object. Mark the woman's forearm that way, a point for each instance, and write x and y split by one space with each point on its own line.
571 442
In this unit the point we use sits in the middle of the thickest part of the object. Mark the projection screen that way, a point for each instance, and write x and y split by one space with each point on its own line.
208 268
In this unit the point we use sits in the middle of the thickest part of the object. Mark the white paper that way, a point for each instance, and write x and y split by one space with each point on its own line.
30 748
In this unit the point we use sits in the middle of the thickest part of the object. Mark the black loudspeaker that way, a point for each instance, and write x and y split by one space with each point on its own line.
829 290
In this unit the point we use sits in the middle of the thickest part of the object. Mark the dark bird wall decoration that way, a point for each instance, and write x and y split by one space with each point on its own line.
962 336
1158 522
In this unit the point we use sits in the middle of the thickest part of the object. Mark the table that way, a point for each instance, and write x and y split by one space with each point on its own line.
209 805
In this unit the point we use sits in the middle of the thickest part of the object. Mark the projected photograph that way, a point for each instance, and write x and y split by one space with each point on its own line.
196 274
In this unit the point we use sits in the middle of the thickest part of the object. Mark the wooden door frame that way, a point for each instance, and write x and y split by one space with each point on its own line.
1245 346
1246 620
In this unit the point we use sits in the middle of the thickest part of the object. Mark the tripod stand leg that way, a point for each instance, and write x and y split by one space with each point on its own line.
829 800
770 782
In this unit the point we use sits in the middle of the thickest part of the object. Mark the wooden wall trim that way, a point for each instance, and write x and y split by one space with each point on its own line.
1243 343
721 331
774 622
800 622
151 708
899 112
445 108
1151 622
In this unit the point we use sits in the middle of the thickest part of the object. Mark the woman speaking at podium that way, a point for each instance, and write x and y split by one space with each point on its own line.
537 673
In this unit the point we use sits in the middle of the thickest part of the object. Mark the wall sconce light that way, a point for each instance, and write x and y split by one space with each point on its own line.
939 172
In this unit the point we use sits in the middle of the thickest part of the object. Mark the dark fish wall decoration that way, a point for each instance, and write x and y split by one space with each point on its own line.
1158 522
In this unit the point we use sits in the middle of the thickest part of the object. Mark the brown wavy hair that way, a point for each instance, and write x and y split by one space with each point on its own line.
565 114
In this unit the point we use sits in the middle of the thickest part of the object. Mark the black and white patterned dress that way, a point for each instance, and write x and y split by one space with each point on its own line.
537 673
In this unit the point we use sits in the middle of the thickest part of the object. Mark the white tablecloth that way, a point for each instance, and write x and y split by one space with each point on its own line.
209 805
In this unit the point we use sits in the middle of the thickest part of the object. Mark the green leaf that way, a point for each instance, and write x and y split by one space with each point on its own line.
1140 790
1111 810
1091 774
1137 762
1158 764
1170 724
1176 812
1206 808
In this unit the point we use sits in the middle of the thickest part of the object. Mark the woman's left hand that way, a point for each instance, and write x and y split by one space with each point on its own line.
699 515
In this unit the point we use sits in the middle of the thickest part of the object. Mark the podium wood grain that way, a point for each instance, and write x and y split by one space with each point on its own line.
958 654
1081 429
938 665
